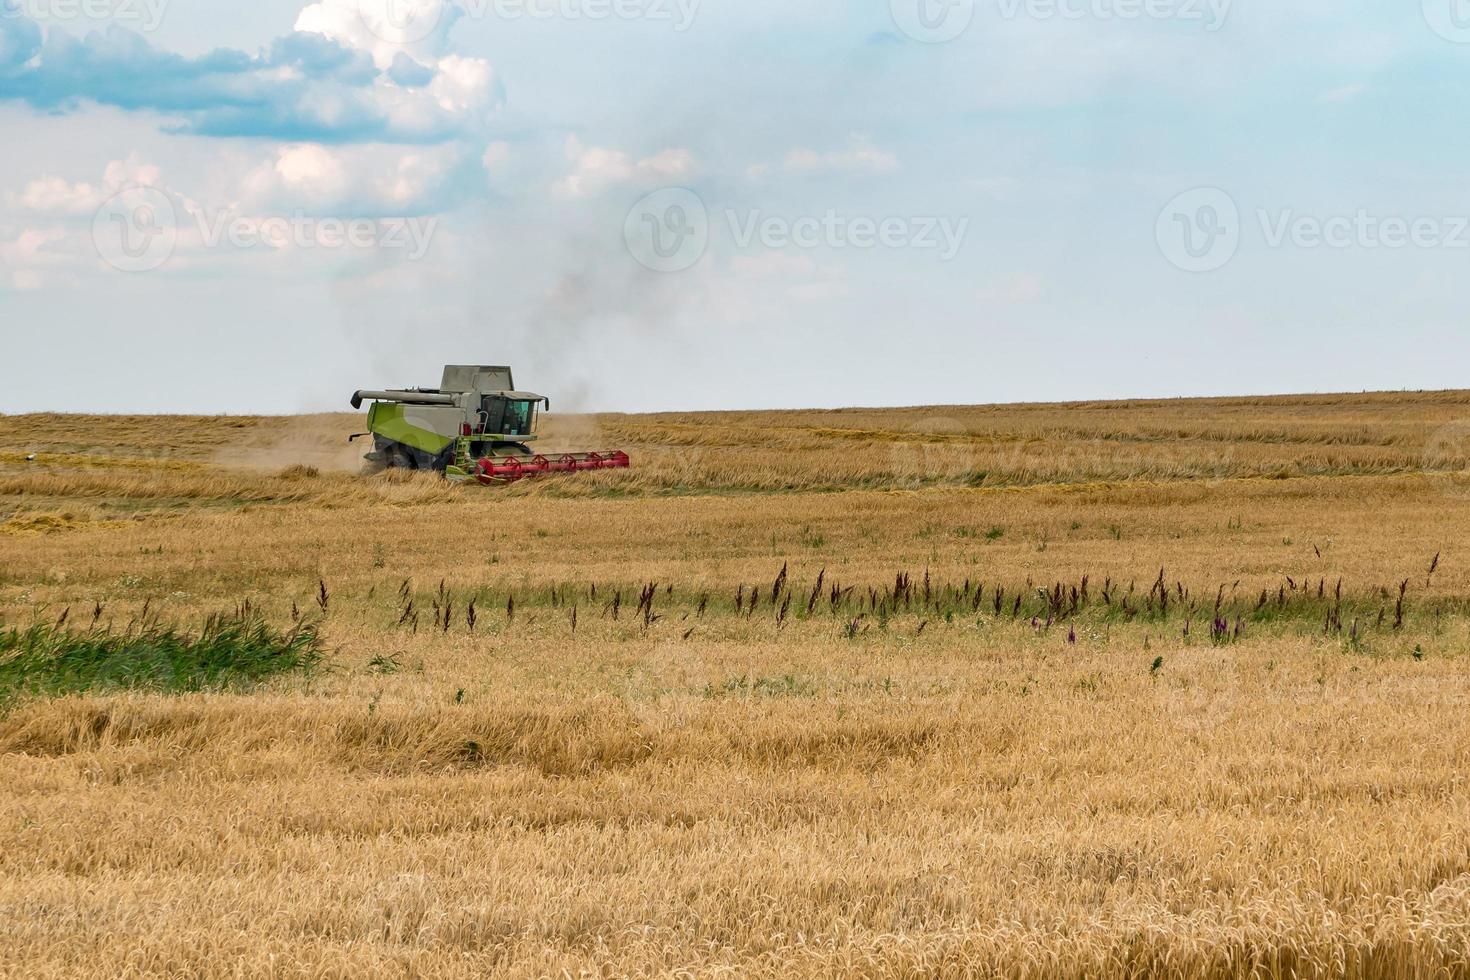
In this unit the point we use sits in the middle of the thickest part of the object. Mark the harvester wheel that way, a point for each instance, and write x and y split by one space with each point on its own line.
402 459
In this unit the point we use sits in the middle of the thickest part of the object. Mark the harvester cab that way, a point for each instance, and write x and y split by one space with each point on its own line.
474 426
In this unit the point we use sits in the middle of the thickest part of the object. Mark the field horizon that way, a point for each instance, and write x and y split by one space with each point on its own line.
1133 689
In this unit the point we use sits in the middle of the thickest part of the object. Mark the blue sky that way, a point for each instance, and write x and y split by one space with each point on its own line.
213 207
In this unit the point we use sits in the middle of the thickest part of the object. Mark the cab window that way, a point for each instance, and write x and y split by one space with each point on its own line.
517 419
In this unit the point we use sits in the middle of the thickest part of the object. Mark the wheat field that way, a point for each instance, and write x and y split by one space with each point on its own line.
1145 689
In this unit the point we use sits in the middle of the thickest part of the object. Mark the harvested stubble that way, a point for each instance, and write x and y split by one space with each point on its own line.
1068 788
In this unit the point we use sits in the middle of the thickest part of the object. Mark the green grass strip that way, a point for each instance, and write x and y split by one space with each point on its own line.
230 653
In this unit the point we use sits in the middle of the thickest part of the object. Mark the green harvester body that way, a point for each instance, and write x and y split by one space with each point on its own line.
474 426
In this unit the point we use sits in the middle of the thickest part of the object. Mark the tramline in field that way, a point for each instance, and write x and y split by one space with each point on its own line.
474 426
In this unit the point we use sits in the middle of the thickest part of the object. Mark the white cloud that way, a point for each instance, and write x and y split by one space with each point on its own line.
311 169
58 197
418 177
859 157
383 28
463 85
332 79
596 168
32 255
54 195
413 41
809 161
668 163
309 187
349 180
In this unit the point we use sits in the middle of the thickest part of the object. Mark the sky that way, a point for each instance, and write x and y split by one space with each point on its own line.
664 205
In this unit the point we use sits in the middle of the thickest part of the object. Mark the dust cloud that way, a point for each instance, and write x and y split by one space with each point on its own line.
318 441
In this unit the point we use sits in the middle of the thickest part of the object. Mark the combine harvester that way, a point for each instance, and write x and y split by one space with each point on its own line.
474 426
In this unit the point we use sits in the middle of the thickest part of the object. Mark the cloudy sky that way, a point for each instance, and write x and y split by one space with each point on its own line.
697 204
